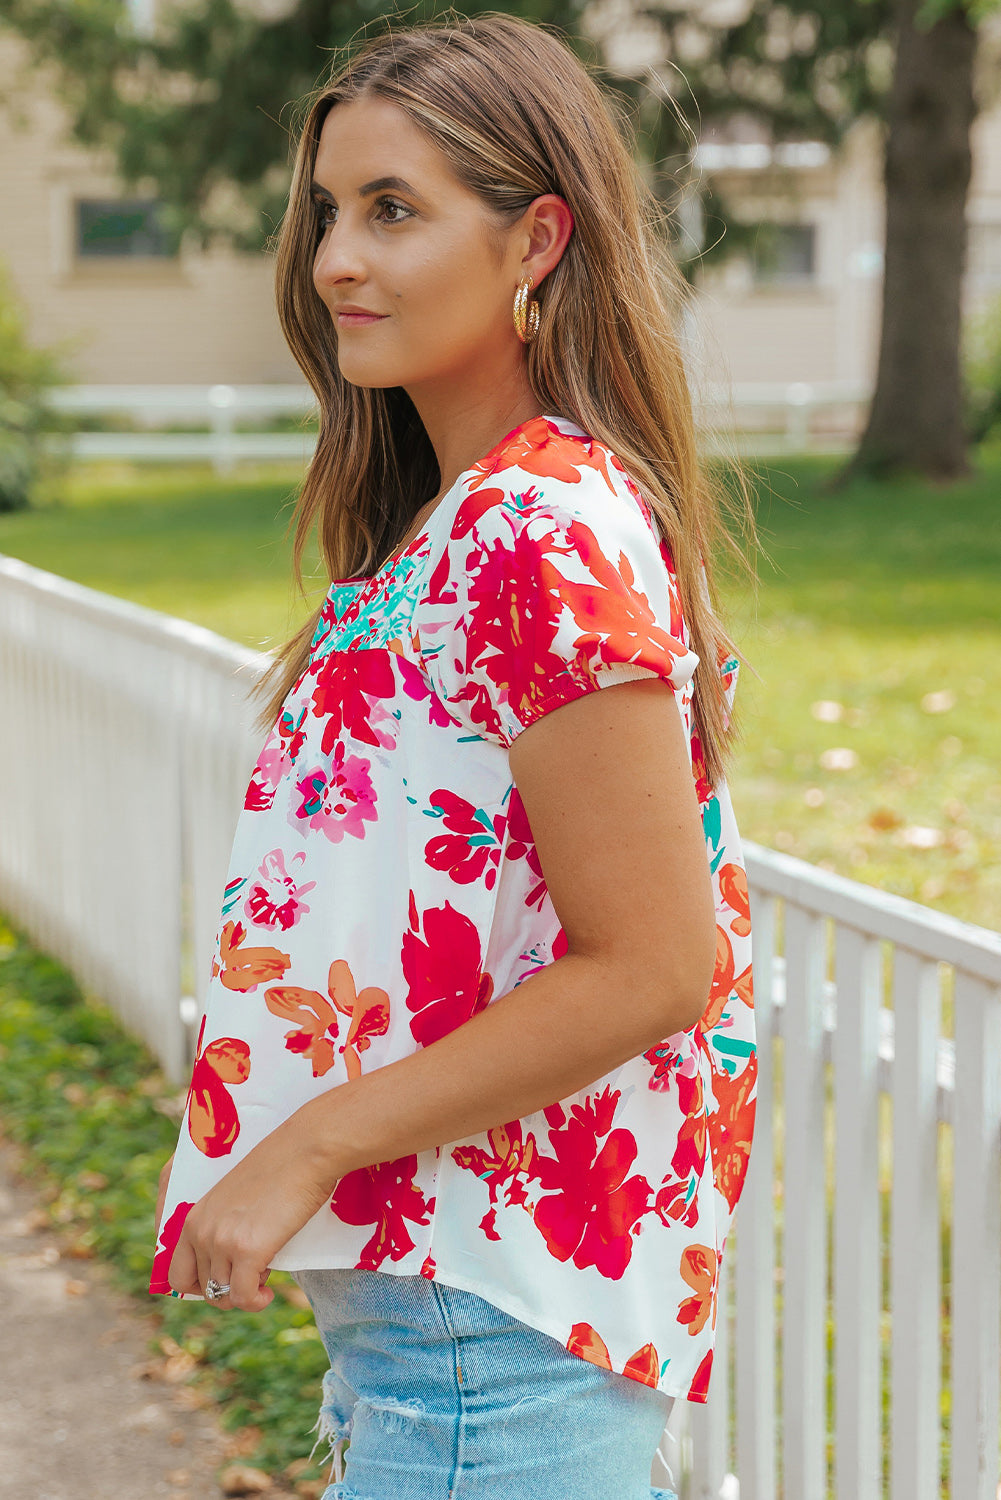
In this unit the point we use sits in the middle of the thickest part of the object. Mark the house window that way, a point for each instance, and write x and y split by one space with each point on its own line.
784 254
119 227
983 256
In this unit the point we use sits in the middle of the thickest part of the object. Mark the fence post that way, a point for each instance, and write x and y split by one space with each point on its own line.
799 399
222 400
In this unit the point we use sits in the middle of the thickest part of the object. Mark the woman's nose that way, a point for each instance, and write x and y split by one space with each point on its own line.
338 258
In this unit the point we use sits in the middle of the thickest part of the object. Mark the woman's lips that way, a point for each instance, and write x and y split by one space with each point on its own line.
349 320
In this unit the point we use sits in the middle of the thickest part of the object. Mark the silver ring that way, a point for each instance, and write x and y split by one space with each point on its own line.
214 1289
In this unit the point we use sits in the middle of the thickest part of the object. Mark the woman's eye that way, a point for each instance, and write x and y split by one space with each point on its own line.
392 203
400 212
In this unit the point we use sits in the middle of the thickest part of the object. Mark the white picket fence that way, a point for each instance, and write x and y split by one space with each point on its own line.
125 747
860 997
766 417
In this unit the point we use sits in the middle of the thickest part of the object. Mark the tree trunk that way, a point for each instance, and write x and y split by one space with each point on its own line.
916 418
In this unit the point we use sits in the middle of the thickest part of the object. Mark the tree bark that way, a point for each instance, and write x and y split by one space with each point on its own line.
916 418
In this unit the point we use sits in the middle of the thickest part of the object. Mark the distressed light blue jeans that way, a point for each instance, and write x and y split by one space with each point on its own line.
439 1395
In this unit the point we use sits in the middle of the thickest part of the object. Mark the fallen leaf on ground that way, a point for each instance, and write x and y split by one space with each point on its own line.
938 703
839 758
918 836
245 1440
884 818
92 1181
311 1489
241 1479
79 1250
177 1367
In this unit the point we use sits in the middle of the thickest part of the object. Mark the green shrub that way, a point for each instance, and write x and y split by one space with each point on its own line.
26 373
982 349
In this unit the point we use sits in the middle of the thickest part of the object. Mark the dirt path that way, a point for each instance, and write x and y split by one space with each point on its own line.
85 1410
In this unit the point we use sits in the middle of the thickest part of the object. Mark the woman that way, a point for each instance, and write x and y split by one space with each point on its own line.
479 1017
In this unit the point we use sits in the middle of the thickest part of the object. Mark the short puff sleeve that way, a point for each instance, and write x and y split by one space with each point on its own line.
548 590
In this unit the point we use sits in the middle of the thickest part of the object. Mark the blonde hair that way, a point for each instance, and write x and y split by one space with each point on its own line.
516 114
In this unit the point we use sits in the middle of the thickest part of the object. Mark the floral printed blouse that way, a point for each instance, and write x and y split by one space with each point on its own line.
384 887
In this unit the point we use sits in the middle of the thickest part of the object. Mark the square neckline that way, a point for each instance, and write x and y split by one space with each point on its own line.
428 530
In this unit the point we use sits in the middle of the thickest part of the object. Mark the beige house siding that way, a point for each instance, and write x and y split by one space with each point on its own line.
209 317
828 330
202 317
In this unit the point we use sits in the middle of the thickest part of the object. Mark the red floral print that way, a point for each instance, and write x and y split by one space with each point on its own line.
589 1345
291 731
673 1203
213 1122
170 1233
275 900
690 1153
369 1012
643 1366
337 798
384 1195
725 982
521 845
731 1128
446 983
316 1024
417 687
592 1211
733 889
509 631
699 1388
471 850
500 1167
699 1267
610 610
345 686
242 968
265 777
537 448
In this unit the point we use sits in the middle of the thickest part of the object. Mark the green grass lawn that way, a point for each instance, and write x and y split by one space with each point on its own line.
875 632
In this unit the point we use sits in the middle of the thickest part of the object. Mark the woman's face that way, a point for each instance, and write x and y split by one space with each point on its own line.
419 251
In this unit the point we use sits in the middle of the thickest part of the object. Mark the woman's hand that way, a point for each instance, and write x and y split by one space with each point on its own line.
161 1196
232 1233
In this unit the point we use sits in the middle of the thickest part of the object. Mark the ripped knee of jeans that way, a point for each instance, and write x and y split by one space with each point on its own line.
333 1425
395 1416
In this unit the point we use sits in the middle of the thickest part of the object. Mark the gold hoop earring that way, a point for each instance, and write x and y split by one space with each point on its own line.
526 313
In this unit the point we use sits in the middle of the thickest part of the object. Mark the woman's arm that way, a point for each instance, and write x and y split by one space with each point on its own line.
608 790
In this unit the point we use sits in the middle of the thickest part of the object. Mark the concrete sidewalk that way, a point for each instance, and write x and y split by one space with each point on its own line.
87 1410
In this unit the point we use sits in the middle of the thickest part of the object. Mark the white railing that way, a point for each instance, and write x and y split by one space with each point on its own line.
125 747
877 1144
126 743
772 417
220 407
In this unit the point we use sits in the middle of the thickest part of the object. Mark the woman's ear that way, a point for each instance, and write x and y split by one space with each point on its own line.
549 223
